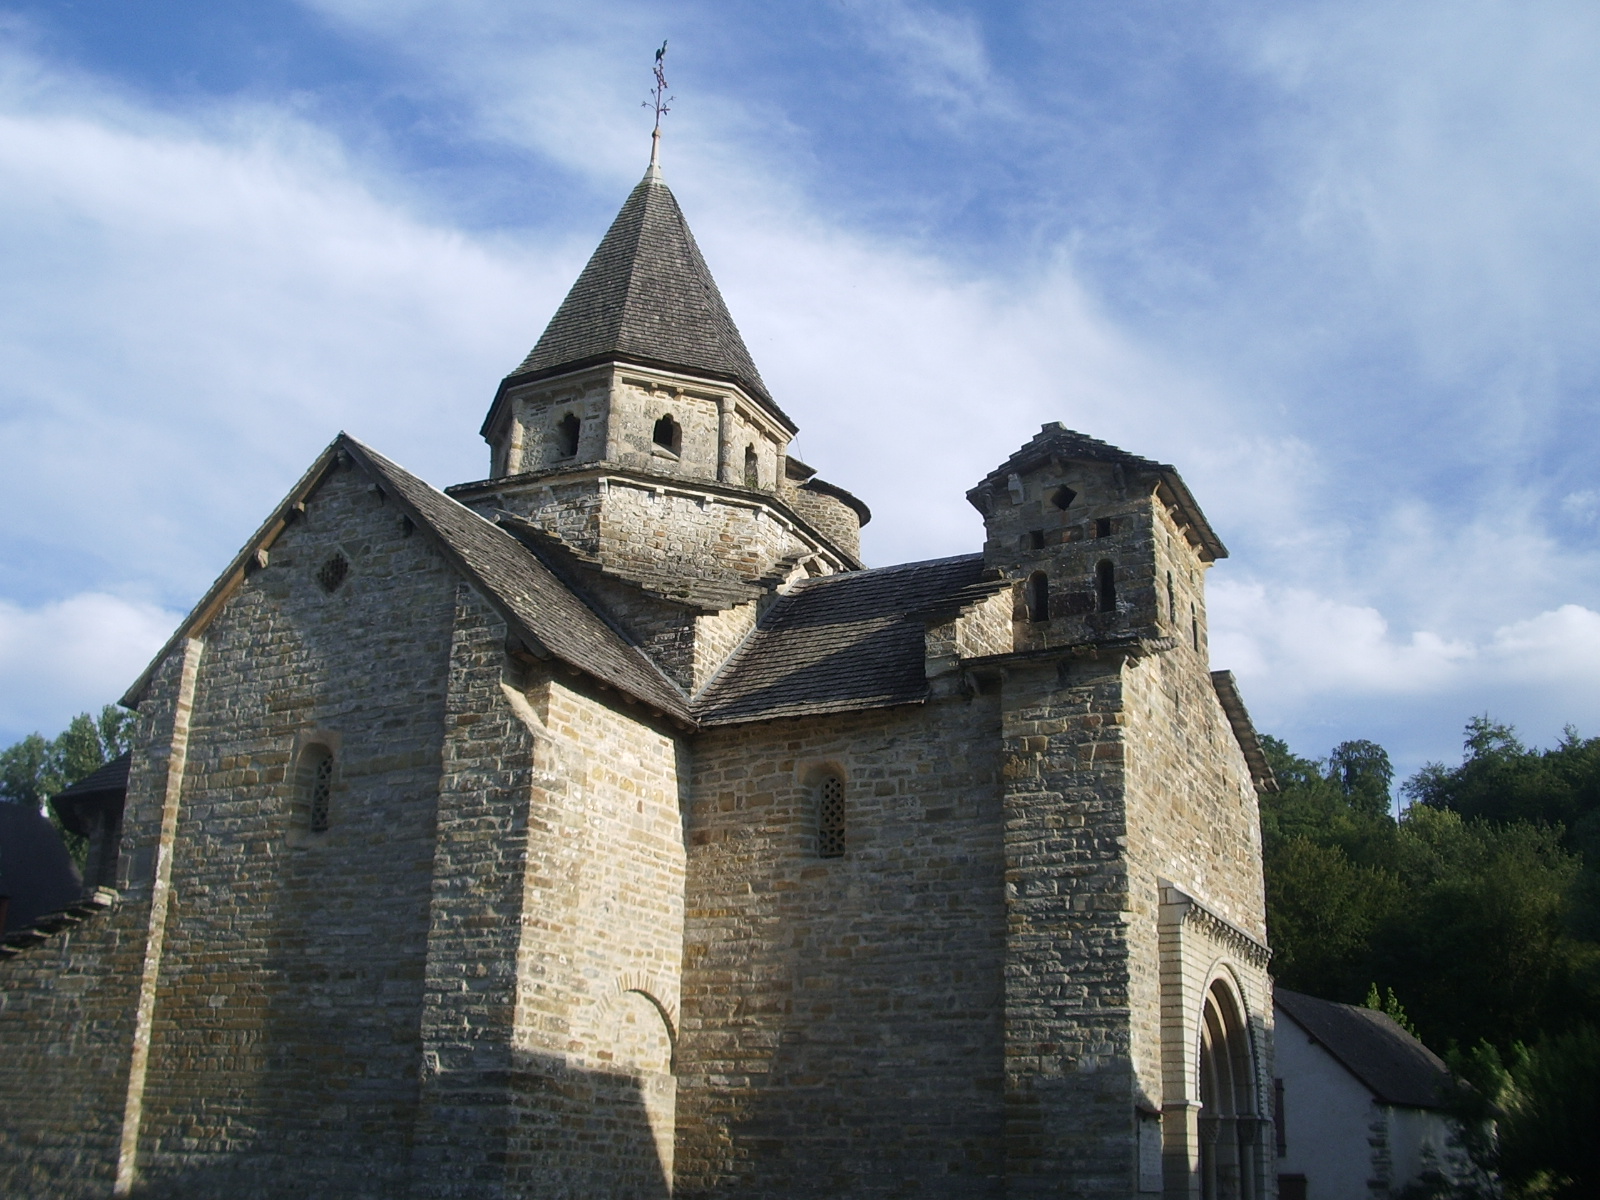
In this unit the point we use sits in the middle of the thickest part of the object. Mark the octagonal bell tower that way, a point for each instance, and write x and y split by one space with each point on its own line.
639 435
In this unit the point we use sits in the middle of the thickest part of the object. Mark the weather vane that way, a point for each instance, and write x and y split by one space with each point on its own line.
660 101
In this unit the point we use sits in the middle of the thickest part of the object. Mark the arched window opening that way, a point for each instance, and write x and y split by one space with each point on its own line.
668 434
1063 497
316 787
1038 597
1230 1123
567 436
830 817
1105 586
752 468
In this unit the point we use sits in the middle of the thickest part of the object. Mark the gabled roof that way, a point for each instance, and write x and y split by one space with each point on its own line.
113 777
1244 731
646 297
842 642
1392 1065
1055 442
542 611
533 601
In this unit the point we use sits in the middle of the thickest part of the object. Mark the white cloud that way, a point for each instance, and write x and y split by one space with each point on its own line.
200 300
937 56
195 307
71 656
1303 658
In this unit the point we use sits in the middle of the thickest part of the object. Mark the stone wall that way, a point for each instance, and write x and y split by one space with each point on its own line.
554 939
284 1038
1070 1092
841 1017
68 1007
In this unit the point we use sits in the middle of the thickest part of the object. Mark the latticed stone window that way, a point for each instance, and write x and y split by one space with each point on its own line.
332 573
316 778
830 818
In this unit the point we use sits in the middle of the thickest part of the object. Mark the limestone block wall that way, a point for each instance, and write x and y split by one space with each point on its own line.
668 540
530 440
1194 826
1071 1094
832 517
68 1007
555 932
842 1022
283 1047
1111 518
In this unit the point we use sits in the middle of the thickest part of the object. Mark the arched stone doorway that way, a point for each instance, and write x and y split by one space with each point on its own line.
1230 1117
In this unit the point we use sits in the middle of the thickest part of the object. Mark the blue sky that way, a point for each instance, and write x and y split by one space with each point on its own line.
1340 263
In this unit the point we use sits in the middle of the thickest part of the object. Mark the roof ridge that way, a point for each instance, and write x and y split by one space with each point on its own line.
838 576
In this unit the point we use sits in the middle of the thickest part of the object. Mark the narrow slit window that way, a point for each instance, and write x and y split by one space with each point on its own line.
752 468
1194 626
1105 586
567 436
1172 601
1038 597
830 818
668 435
316 782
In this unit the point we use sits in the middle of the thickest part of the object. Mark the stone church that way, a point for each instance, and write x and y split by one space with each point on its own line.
605 828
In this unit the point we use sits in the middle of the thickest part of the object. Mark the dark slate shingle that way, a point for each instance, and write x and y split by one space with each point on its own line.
841 642
113 777
1394 1066
646 294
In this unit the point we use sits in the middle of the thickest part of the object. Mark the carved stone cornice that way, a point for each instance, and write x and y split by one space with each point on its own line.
1178 904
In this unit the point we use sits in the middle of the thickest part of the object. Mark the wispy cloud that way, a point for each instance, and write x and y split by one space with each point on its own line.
73 655
1372 362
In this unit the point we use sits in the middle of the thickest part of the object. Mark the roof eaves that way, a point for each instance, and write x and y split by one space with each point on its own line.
218 593
754 391
1244 730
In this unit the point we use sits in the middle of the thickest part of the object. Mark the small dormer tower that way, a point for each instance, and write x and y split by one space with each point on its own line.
1101 545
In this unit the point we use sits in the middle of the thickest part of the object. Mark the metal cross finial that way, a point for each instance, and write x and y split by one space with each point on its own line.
660 102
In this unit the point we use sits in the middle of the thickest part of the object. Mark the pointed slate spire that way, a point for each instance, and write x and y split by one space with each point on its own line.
646 297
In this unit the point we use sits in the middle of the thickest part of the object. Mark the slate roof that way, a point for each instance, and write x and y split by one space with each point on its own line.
539 607
111 778
1395 1067
646 296
536 603
1056 441
842 642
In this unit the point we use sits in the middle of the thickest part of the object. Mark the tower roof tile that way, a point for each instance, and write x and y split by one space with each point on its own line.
647 296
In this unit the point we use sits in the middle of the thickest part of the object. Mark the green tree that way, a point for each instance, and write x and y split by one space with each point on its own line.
1548 1117
1468 919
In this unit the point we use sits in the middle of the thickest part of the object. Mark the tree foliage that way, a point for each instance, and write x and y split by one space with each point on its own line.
1478 907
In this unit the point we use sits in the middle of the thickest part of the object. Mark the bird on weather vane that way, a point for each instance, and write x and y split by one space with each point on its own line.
660 101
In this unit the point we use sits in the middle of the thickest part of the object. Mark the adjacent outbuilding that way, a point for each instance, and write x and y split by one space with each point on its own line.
1360 1104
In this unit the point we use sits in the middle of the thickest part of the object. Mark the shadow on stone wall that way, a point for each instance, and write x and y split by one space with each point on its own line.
541 1129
